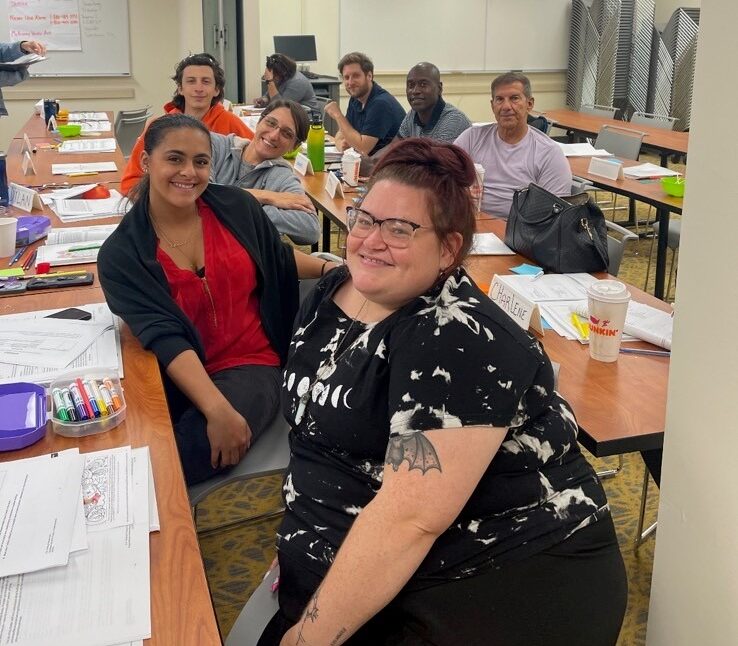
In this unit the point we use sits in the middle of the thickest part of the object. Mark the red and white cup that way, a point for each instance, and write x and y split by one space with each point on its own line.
608 305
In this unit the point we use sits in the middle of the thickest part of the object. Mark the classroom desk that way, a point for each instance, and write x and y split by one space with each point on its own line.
44 158
181 608
621 407
666 142
35 126
648 191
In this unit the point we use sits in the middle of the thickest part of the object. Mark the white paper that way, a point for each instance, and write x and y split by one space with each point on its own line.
102 596
648 170
107 488
488 244
105 352
45 342
92 126
551 287
88 116
582 150
66 254
88 146
89 167
645 323
40 499
154 524
69 235
116 204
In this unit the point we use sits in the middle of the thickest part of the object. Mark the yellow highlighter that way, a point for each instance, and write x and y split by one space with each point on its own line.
582 327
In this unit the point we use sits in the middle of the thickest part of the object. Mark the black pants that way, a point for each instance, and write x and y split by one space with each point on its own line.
573 594
252 390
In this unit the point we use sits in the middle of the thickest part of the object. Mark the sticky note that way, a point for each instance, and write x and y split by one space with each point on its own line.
526 270
17 271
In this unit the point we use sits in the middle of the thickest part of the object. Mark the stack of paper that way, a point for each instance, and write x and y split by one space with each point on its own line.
645 323
88 116
74 246
488 244
92 126
103 351
88 146
76 210
582 150
648 171
78 566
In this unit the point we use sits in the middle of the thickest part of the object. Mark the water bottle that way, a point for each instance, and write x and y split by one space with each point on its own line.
4 197
316 142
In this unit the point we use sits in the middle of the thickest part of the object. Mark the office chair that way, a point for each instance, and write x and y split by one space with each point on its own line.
673 237
539 122
128 129
616 245
269 455
255 614
132 114
624 143
652 119
606 111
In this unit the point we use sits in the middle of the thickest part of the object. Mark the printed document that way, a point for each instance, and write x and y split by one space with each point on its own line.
87 167
488 244
107 488
550 287
88 146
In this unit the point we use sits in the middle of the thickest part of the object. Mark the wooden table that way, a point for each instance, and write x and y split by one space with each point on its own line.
621 406
648 191
181 608
35 126
666 142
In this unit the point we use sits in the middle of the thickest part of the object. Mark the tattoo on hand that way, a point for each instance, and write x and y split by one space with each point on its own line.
311 613
417 449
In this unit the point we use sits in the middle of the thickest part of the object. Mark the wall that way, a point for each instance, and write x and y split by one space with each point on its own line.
694 592
664 9
162 32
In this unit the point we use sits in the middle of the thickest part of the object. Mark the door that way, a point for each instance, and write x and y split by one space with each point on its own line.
221 21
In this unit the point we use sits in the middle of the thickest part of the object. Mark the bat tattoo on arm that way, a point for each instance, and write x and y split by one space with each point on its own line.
416 448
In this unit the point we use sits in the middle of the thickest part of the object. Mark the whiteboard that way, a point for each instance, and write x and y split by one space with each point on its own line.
467 35
105 42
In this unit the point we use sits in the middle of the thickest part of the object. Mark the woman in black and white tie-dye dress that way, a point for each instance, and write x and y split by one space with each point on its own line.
436 492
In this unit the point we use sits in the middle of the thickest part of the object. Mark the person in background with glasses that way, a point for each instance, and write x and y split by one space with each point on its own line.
199 93
285 82
436 493
258 167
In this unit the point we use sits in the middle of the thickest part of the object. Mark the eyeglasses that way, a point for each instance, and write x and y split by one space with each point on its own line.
273 124
396 232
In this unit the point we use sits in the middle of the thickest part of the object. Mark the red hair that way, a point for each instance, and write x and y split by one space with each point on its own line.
445 172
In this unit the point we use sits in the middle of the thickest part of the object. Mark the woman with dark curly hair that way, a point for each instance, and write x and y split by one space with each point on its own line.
285 82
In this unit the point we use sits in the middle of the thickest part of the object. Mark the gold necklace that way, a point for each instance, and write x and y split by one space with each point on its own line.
328 367
173 243
192 264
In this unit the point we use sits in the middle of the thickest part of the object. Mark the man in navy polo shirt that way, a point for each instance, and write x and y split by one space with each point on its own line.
373 116
429 115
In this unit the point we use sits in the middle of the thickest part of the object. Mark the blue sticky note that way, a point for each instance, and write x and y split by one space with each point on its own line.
545 324
525 269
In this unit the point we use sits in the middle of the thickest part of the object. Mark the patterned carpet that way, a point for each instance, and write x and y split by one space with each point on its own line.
236 558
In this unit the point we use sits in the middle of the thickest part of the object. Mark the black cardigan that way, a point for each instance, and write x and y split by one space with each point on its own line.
137 290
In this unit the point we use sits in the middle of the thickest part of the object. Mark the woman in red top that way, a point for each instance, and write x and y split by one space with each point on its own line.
200 90
200 275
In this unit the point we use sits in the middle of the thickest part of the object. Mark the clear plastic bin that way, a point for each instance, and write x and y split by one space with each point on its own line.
99 424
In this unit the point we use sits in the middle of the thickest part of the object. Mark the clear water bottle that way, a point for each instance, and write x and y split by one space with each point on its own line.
4 196
316 142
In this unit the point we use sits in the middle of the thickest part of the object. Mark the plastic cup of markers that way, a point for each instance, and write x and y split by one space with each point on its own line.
100 408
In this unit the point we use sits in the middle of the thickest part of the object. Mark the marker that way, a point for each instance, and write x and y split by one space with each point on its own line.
68 405
61 412
17 255
651 353
79 404
581 328
107 399
85 399
113 393
86 247
91 398
98 397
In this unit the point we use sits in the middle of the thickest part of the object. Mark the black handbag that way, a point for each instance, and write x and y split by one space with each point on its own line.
561 234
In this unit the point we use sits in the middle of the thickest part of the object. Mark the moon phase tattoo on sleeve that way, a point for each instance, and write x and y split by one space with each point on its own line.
416 448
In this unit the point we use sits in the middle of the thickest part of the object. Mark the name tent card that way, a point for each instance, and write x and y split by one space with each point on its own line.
303 165
606 167
26 147
26 199
333 185
51 126
27 165
521 310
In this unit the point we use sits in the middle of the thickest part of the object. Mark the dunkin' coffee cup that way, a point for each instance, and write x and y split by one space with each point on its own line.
608 305
477 189
350 164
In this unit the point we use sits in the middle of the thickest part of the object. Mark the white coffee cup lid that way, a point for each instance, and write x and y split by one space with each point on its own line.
612 291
